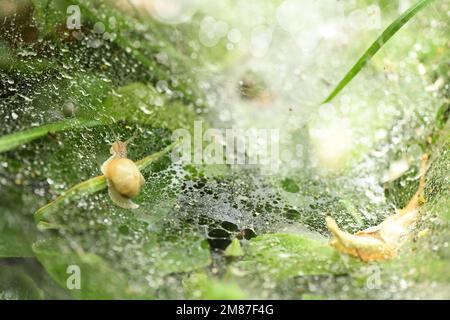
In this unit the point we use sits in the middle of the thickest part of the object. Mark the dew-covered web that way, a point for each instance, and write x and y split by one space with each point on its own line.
122 73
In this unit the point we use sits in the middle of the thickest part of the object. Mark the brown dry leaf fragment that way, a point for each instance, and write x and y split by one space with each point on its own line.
381 242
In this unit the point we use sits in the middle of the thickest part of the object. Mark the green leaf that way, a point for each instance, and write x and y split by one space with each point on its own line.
282 256
101 280
234 249
17 229
15 284
11 63
49 13
200 286
289 185
13 244
141 103
98 280
377 45
182 254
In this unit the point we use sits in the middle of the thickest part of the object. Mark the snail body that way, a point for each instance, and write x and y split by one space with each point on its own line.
123 176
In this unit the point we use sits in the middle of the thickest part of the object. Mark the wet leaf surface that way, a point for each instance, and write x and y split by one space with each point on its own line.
216 231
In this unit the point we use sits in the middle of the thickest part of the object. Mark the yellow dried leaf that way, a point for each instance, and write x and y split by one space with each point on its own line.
382 241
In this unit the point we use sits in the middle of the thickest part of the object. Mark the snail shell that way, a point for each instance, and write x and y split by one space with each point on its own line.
123 176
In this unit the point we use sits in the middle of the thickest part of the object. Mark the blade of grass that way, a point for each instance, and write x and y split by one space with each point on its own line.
16 139
92 186
376 45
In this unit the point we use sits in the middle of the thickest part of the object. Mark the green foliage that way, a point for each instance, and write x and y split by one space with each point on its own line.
201 232
200 286
98 279
15 284
234 249
141 103
175 256
14 244
377 45
282 256
50 14
17 230
289 185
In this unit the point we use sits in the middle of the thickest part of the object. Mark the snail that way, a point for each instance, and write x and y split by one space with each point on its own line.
122 175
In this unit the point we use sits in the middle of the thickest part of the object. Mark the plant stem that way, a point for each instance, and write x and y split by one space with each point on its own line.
16 139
